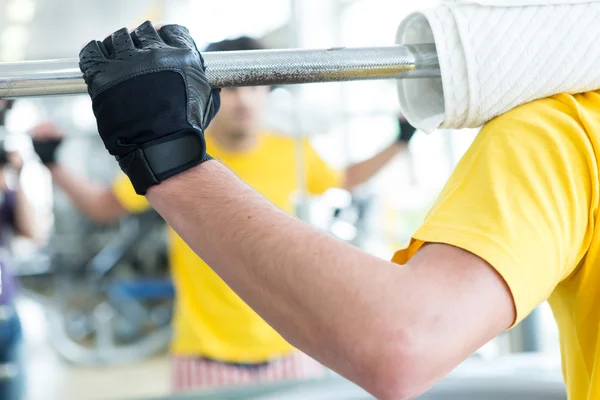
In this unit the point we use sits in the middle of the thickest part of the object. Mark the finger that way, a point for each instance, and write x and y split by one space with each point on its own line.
91 51
121 41
147 35
177 36
107 47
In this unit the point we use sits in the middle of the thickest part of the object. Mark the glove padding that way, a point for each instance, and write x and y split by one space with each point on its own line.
151 99
405 131
46 150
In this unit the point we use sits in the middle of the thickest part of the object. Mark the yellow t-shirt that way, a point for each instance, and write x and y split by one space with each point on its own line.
210 319
525 198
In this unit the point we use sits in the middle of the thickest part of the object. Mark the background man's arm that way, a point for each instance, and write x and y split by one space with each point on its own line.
361 172
392 330
95 201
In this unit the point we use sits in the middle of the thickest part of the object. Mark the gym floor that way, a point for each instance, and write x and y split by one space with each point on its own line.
49 377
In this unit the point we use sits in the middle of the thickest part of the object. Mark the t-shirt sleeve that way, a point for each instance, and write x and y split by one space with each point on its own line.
127 197
521 198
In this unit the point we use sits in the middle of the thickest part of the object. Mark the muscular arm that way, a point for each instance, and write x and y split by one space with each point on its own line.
361 172
393 330
95 201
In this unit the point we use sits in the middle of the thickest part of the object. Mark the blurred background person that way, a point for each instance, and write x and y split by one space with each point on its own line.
217 338
16 217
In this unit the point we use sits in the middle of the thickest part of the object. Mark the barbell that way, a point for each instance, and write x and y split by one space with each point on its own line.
245 68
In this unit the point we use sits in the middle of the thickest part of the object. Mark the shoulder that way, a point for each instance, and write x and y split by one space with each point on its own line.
558 122
562 111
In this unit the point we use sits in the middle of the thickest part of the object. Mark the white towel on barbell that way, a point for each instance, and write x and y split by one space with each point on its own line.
495 55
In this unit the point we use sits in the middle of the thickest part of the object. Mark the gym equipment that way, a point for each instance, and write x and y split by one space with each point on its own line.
245 68
348 214
110 310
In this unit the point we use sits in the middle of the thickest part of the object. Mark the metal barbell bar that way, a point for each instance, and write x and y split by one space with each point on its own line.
245 68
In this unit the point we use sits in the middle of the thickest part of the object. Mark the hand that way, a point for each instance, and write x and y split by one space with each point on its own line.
46 140
151 100
405 130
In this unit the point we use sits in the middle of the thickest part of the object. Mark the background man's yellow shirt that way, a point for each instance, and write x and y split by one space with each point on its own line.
210 319
525 199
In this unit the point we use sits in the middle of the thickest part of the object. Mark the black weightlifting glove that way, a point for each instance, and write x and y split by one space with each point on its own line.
46 150
405 131
151 100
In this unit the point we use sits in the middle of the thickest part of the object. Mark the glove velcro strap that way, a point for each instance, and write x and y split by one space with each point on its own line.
155 162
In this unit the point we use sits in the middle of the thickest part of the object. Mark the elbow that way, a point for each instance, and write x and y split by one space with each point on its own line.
395 368
394 388
395 382
106 209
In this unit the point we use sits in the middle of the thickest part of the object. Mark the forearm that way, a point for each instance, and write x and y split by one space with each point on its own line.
300 272
361 172
93 200
25 216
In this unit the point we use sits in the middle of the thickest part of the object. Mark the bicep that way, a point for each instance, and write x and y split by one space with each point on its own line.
457 303
428 316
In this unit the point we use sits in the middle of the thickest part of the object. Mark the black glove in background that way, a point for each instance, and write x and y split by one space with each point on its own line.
405 131
46 150
151 100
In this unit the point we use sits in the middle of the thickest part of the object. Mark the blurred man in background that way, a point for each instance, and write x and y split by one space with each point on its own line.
218 339
16 217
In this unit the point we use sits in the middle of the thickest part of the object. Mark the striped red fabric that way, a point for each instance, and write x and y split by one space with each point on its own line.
190 373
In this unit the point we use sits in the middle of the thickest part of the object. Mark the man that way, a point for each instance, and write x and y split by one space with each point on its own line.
515 225
215 332
16 217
